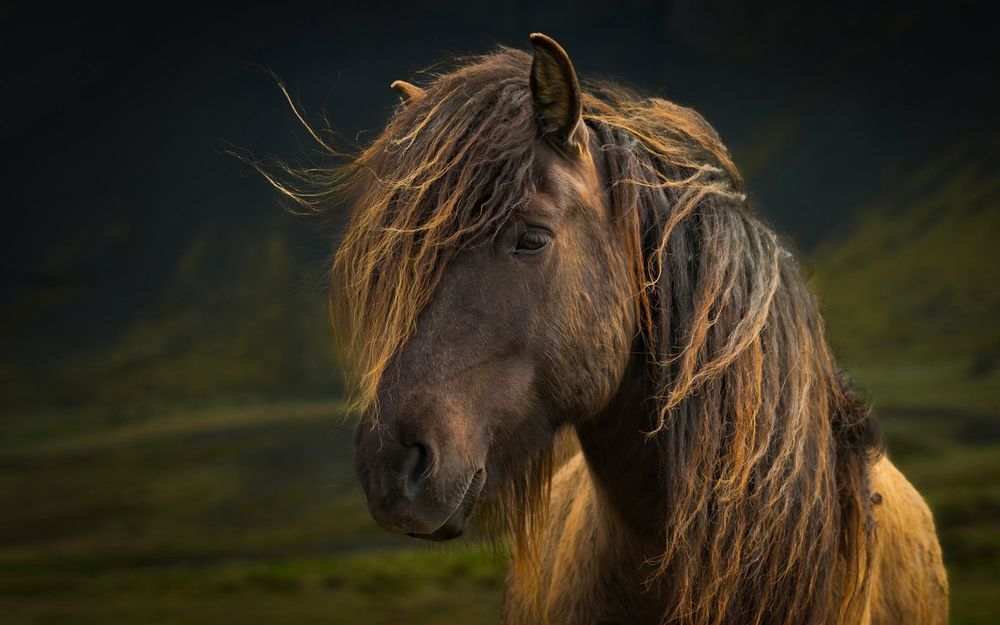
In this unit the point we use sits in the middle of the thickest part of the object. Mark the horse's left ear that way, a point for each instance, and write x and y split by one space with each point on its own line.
556 94
407 92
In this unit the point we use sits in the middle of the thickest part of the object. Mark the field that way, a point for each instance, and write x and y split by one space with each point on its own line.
250 512
220 512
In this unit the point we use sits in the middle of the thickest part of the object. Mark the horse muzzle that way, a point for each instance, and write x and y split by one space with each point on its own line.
411 489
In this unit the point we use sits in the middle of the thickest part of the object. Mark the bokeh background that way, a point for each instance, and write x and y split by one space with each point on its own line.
172 443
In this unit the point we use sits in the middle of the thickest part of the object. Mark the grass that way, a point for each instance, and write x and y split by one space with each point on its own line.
391 586
221 512
927 385
250 512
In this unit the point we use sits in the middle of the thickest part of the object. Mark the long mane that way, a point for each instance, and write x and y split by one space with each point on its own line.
764 450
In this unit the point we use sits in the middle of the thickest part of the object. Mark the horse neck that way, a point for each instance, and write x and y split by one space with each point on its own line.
624 466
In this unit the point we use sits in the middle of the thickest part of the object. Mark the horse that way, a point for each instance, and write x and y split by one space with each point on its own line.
562 317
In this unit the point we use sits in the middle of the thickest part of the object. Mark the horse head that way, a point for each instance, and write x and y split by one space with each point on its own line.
527 330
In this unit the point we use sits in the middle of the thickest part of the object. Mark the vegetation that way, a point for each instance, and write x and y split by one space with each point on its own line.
242 312
243 511
911 295
911 298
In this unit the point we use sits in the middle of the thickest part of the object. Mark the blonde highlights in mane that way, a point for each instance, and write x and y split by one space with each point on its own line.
765 450
446 173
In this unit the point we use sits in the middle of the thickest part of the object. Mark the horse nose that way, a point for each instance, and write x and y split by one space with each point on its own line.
398 479
414 469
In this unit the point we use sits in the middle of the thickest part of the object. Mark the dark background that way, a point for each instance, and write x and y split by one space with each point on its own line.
167 379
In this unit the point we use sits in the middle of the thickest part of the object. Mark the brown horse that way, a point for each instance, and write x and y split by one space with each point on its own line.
531 267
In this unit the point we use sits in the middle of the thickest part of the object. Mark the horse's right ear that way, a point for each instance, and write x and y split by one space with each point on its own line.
407 93
556 94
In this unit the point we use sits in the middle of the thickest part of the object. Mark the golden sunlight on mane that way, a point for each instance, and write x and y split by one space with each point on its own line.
746 387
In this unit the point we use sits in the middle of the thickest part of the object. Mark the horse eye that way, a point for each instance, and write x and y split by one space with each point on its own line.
532 241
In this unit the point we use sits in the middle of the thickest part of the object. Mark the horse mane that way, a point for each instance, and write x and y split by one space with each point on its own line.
764 449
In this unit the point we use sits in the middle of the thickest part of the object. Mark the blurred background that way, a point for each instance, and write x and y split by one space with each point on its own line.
172 443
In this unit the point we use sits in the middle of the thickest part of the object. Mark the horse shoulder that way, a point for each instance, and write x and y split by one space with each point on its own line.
909 582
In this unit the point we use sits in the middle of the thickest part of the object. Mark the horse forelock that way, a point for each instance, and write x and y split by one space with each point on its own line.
446 173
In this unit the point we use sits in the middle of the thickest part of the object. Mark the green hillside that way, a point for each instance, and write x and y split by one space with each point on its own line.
911 295
235 319
911 292
242 314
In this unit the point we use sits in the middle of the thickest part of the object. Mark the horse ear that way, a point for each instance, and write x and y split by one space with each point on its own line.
407 93
556 94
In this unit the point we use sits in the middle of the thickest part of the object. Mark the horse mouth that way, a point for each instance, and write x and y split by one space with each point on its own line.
455 524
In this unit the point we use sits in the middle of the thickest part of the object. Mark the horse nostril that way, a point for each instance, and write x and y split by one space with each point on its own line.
415 468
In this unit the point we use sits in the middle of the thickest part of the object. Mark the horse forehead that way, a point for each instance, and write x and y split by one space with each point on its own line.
565 183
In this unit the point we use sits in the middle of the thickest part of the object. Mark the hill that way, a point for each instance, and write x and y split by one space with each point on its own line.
911 290
240 311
